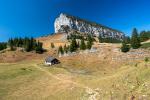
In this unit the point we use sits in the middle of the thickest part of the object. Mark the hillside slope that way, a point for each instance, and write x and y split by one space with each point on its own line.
104 73
58 39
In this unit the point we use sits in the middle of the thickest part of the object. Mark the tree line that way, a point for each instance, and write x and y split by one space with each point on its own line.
3 45
83 43
29 44
135 40
108 40
144 36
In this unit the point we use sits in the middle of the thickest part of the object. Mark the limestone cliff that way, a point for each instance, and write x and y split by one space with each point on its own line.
67 23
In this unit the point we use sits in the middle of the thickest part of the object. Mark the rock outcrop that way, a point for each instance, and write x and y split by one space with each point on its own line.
67 23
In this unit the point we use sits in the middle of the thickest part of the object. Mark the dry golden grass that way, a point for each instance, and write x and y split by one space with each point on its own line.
58 39
71 80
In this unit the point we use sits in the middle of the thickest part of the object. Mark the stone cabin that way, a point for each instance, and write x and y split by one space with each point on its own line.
51 61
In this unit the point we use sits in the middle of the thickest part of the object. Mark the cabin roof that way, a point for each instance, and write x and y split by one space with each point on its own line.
49 59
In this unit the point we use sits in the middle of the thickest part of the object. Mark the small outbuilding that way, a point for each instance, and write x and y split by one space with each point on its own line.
51 61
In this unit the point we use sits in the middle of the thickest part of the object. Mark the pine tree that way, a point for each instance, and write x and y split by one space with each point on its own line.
65 49
11 44
82 45
90 42
144 36
73 45
125 47
39 48
3 46
28 46
135 41
90 39
89 45
60 50
32 43
72 49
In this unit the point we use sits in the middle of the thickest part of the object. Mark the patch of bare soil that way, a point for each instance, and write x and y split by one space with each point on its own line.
58 39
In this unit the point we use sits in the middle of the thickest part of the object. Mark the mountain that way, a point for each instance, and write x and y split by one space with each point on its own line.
67 23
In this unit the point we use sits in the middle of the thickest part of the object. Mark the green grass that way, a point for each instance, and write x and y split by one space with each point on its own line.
145 45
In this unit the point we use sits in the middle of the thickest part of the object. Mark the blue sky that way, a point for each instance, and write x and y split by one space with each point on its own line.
19 18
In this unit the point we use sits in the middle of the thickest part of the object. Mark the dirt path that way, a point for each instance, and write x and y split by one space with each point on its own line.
91 92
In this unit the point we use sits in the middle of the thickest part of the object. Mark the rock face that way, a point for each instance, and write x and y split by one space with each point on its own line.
67 23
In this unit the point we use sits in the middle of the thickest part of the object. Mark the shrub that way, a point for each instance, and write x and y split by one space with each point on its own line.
125 47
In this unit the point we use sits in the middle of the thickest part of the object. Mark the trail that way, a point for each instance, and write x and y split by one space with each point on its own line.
91 92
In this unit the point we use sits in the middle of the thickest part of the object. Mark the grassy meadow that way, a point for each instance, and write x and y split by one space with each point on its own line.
31 80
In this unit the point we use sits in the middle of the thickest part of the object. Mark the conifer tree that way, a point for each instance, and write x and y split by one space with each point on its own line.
89 45
60 50
28 45
39 48
144 36
31 44
90 39
90 42
11 44
135 40
73 45
34 44
82 45
3 46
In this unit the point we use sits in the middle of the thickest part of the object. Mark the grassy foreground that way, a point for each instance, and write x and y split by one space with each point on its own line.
30 80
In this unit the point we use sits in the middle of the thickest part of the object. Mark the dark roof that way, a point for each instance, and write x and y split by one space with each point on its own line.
49 59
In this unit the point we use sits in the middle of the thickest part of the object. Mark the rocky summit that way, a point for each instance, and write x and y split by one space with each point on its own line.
66 23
